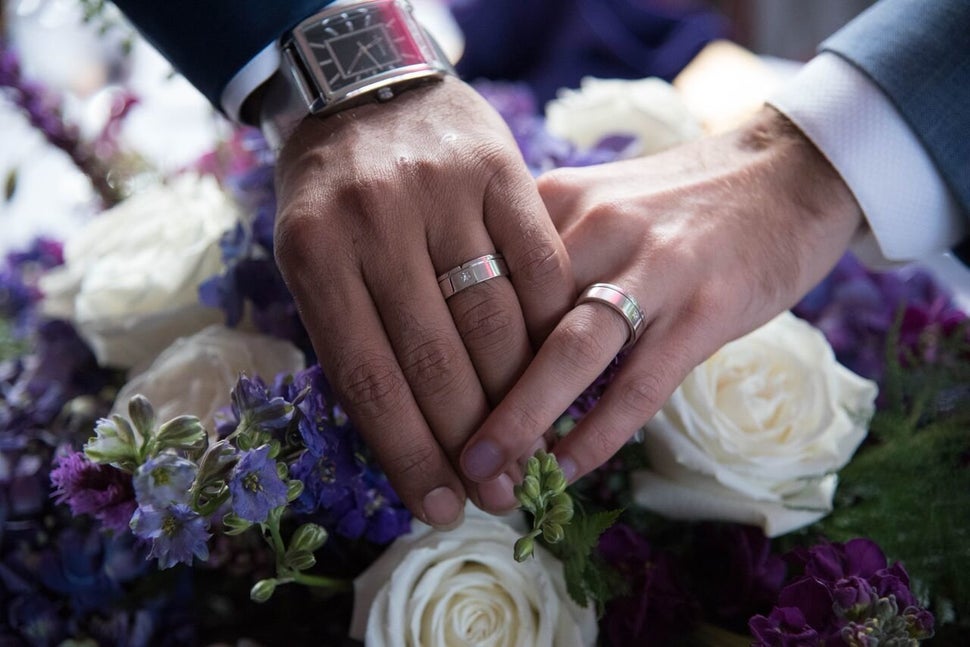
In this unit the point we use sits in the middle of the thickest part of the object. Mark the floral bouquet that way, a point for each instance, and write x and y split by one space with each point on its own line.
175 469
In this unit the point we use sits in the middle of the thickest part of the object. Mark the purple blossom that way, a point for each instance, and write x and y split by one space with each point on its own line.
163 480
256 486
856 308
734 571
177 533
254 407
784 627
657 609
849 587
102 491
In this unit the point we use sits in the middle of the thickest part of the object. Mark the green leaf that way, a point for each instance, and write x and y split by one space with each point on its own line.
586 576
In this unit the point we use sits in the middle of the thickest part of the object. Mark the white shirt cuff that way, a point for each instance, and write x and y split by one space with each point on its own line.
911 212
253 74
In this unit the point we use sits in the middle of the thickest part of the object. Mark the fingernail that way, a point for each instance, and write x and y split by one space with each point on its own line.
497 496
482 460
443 509
568 467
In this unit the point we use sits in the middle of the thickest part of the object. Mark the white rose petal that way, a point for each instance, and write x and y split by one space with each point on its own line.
194 375
131 275
756 433
649 109
463 587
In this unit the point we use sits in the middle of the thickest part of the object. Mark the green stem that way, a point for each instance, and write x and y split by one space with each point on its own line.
321 581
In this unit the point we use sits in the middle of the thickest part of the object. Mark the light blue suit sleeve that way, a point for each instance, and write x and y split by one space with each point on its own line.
918 53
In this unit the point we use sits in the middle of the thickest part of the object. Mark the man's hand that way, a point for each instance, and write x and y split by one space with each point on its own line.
375 203
713 239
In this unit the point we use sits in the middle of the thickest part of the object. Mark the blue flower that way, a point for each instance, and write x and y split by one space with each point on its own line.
164 480
176 532
256 486
253 405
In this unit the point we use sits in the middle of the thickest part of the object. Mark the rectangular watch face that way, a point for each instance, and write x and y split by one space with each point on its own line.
360 43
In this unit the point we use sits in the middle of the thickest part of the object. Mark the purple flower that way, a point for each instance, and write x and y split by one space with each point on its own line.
734 571
164 480
102 491
850 590
256 486
658 609
177 533
784 627
253 406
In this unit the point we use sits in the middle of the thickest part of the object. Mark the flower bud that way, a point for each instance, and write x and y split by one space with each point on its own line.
234 525
308 537
523 548
142 415
294 489
114 443
555 481
299 560
262 590
183 432
552 532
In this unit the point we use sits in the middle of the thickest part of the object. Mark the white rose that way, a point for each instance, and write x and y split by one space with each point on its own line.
463 587
194 375
756 433
649 109
131 275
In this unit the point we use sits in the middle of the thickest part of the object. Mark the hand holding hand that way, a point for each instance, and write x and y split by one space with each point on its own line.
712 239
374 204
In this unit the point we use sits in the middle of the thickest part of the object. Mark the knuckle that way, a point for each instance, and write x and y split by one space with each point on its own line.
541 265
371 386
483 326
429 366
578 345
643 395
410 464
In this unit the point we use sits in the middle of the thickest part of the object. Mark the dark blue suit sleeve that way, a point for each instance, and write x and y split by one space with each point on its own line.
918 53
208 41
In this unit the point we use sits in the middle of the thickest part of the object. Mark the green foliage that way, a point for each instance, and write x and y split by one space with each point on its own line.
587 576
908 488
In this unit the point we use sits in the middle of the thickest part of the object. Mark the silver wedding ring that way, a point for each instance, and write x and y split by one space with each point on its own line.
478 270
612 296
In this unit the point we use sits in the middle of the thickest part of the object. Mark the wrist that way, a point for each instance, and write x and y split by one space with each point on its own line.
807 180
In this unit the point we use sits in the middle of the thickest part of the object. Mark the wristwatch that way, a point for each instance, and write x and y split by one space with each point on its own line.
343 56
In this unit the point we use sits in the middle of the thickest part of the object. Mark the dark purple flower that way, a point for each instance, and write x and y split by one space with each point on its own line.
784 627
102 491
734 571
177 533
849 589
256 486
658 609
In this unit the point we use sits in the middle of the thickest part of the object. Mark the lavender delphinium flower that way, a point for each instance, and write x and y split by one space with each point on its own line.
256 486
254 407
164 480
177 533
657 609
102 491
343 489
